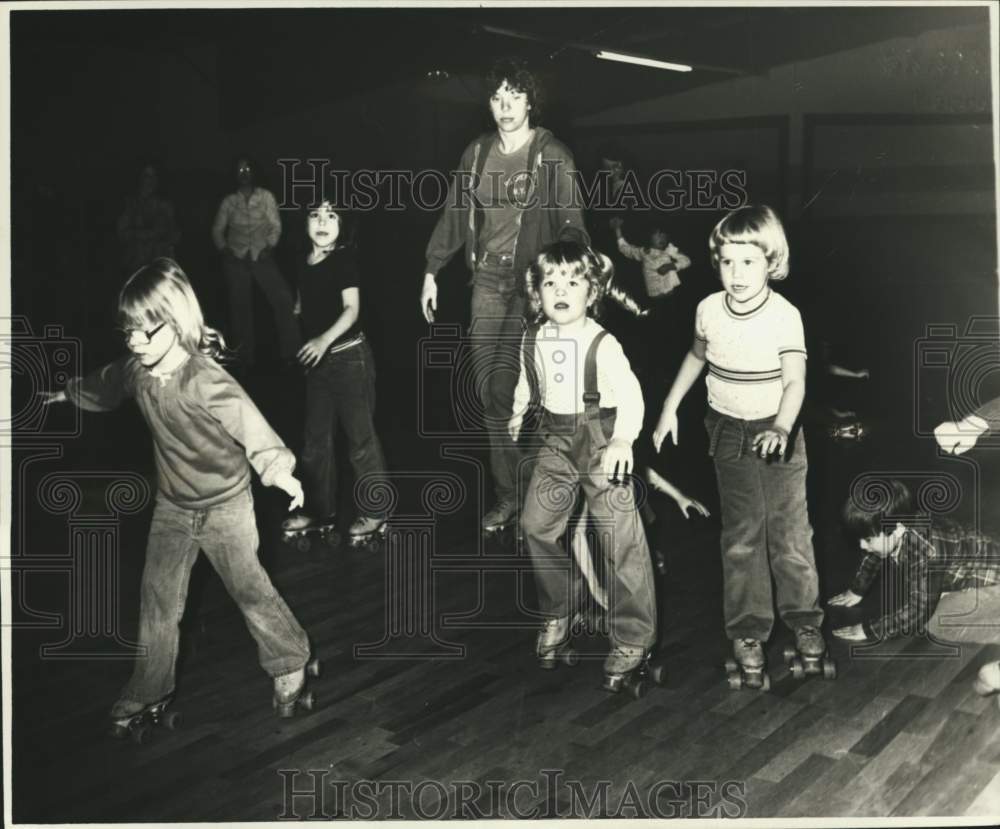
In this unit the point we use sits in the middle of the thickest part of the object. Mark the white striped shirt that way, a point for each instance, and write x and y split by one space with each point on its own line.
744 353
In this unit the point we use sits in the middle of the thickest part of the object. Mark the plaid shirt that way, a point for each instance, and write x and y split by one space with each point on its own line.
932 560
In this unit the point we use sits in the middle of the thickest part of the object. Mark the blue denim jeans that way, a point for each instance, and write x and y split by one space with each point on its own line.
340 390
498 306
240 275
228 535
568 461
765 530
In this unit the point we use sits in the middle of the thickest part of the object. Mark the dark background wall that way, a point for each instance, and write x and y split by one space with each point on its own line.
870 129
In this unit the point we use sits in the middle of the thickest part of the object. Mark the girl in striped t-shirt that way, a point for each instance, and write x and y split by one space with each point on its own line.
752 340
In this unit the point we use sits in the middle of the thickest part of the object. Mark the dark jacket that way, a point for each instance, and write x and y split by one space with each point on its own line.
551 213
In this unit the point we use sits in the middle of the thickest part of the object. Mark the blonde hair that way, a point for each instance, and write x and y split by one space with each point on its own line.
161 292
595 267
755 224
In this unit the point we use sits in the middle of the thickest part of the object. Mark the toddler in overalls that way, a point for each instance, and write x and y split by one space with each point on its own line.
591 413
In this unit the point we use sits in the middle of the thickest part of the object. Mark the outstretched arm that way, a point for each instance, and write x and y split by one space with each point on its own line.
661 484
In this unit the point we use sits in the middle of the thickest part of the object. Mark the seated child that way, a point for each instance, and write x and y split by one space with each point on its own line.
946 578
660 261
591 414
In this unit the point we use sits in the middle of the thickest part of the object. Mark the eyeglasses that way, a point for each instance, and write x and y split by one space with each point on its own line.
146 336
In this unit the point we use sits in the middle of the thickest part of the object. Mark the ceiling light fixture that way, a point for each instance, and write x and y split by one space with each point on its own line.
655 64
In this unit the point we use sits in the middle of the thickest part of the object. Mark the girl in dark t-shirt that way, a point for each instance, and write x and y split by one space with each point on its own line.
340 382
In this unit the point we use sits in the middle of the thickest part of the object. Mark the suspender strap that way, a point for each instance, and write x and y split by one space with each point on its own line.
591 395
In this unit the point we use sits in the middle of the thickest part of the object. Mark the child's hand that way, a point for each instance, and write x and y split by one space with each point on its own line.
846 599
666 426
957 438
429 298
312 352
774 439
617 461
853 633
616 223
52 397
684 504
514 426
290 484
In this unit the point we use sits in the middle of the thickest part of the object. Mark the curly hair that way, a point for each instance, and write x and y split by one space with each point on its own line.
595 267
516 74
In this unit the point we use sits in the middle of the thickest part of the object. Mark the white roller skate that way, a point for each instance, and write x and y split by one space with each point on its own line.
290 691
367 530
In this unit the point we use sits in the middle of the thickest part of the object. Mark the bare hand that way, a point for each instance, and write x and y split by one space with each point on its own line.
312 352
684 504
291 485
429 298
666 426
49 397
846 599
853 633
617 461
770 440
957 438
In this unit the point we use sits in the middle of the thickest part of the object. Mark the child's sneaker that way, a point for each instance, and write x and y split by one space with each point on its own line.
499 517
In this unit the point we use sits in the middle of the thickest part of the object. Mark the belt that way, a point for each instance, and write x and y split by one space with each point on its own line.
497 260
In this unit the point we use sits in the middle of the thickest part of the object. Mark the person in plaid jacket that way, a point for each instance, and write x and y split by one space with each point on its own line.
945 581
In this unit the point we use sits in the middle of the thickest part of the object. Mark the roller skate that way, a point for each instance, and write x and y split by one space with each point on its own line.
367 530
632 670
808 655
290 690
745 669
136 721
503 515
554 642
988 680
300 528
854 430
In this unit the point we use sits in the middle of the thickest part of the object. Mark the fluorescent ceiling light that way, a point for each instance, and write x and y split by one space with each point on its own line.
656 64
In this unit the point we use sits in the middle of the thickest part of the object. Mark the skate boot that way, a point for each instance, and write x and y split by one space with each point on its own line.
290 690
854 430
988 680
746 667
808 654
130 719
632 669
553 642
503 515
367 529
300 528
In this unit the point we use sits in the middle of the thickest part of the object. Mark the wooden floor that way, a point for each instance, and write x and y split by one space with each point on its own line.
480 730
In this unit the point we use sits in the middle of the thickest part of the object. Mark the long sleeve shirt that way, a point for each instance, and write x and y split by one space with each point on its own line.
928 562
247 225
206 430
560 361
652 260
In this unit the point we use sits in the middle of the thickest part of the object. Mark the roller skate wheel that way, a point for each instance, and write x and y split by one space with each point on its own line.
331 538
735 680
302 544
658 673
798 671
731 666
789 653
314 668
120 732
613 683
638 688
172 720
766 683
140 734
307 701
829 669
571 657
546 663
